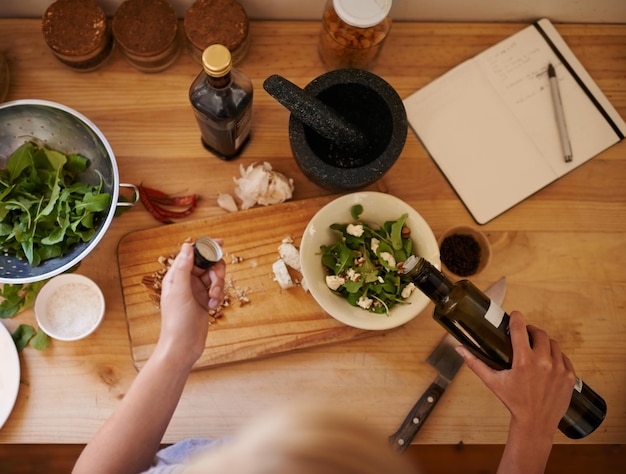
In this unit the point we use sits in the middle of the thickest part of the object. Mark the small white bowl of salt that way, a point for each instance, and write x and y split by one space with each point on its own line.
69 307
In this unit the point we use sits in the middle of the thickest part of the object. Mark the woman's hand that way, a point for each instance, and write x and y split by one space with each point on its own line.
186 297
129 439
538 387
536 390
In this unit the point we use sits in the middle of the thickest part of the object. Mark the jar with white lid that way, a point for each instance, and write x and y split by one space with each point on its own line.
353 32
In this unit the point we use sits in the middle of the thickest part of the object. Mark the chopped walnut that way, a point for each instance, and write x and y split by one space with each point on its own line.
232 293
236 259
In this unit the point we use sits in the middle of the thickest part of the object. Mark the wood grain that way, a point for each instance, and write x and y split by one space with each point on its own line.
562 250
606 459
444 459
275 320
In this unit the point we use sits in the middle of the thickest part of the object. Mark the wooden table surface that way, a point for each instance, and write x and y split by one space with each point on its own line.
562 250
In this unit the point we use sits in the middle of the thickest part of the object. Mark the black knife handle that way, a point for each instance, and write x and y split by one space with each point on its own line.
402 438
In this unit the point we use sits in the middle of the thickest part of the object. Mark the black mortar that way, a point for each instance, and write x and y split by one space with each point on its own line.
371 105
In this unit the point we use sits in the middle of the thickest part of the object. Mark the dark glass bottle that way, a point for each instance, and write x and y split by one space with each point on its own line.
221 97
483 327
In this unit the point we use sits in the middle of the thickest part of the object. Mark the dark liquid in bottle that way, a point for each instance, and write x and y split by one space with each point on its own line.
224 117
483 327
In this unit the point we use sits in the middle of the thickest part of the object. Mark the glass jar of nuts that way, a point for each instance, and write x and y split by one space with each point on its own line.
353 32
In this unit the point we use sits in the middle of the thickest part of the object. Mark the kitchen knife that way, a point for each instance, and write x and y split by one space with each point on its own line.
447 361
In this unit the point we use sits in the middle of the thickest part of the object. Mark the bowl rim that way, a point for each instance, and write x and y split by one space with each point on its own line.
106 222
317 232
48 290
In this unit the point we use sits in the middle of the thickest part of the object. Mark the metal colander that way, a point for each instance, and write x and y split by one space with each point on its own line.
63 129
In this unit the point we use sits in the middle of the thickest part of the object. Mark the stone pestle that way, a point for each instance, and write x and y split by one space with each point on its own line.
316 114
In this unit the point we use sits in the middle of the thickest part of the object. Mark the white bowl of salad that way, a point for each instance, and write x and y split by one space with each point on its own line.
351 253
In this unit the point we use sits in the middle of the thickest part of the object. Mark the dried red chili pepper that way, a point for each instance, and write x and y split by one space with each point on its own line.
151 192
154 200
159 197
170 213
190 200
150 207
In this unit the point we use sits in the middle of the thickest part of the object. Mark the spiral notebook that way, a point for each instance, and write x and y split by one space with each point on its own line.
490 124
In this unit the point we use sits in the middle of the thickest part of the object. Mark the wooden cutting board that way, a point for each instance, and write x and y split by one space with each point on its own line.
275 320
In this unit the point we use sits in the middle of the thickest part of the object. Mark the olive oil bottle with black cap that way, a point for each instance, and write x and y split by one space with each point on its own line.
221 97
483 327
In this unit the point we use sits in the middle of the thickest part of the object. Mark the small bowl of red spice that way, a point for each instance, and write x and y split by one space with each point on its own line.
464 252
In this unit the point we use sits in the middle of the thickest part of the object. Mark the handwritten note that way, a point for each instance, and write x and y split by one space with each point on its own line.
489 123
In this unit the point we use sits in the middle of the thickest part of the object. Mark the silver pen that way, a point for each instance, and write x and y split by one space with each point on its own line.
560 115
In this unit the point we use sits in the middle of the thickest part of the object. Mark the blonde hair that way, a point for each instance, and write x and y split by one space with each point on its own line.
304 440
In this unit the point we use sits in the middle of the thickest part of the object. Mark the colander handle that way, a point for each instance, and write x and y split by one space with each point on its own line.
135 195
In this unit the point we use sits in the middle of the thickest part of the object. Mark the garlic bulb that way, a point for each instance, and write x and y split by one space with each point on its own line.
261 185
227 202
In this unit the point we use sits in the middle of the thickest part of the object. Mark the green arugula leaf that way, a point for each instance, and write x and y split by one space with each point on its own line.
356 211
44 207
54 160
22 335
31 293
20 160
17 298
40 341
366 273
76 164
52 200
353 286
92 202
25 335
396 232
55 237
12 300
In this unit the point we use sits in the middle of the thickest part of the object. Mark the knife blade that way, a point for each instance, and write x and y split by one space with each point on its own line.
447 361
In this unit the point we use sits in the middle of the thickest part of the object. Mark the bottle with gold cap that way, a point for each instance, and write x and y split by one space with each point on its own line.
221 97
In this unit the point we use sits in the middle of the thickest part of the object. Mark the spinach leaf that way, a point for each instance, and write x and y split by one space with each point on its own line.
40 341
26 334
44 207
22 335
12 300
366 259
20 160
16 298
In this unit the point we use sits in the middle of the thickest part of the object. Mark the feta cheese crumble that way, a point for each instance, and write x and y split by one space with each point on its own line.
355 230
365 302
353 275
281 274
374 244
334 282
408 290
389 258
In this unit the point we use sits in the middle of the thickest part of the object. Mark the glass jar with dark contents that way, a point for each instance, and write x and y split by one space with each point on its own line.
147 33
224 22
78 33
